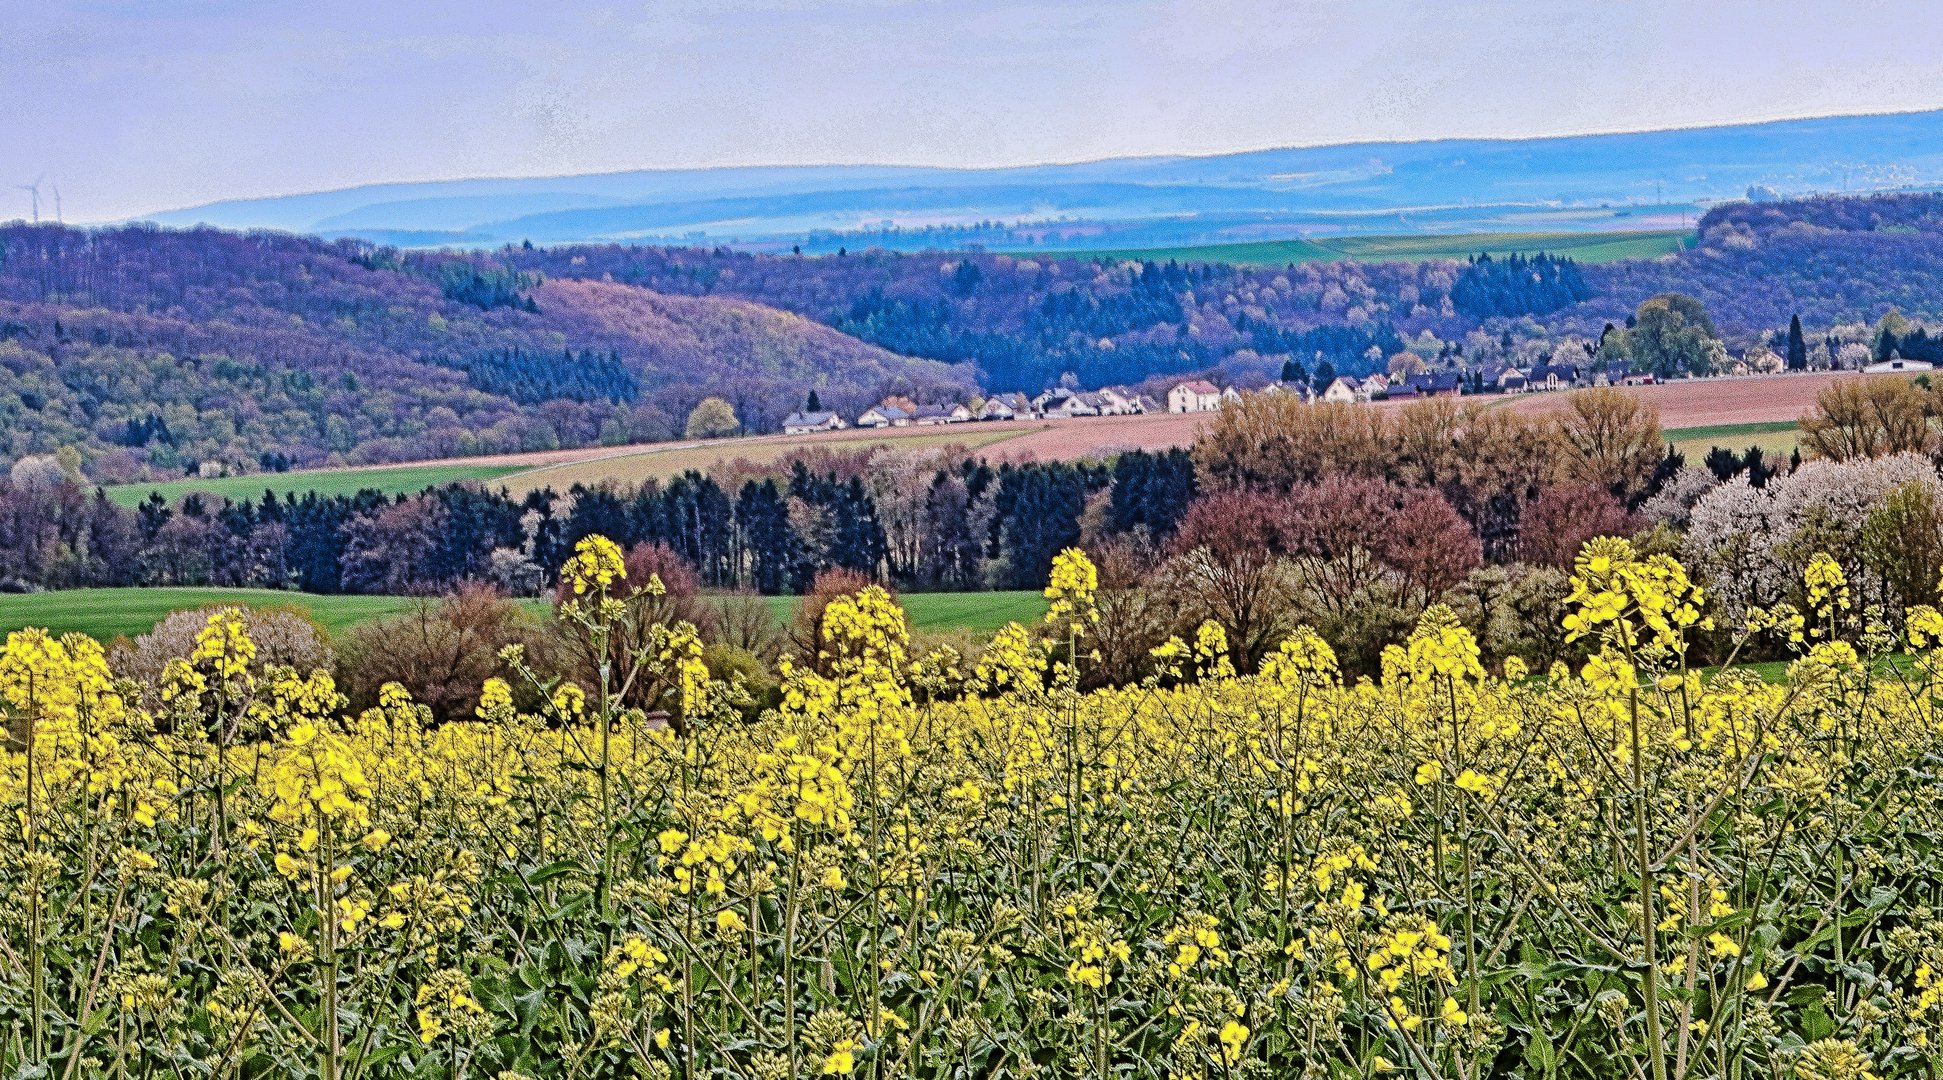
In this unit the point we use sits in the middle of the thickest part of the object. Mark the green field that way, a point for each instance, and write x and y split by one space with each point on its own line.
1776 438
983 612
1586 247
108 613
392 480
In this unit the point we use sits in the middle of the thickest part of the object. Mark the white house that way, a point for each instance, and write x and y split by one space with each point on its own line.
883 416
1344 391
1118 401
1006 407
1195 395
1376 384
1083 404
1050 401
802 423
1896 364
941 414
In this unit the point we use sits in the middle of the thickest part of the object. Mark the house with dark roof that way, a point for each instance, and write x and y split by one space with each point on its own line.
1551 376
803 422
1430 384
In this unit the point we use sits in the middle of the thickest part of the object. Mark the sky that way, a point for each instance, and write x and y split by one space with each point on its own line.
132 106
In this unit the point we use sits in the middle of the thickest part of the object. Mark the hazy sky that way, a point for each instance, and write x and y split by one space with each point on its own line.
138 105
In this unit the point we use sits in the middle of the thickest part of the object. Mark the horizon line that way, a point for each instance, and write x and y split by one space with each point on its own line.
1054 163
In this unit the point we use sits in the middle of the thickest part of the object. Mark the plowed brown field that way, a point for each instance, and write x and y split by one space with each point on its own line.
1754 399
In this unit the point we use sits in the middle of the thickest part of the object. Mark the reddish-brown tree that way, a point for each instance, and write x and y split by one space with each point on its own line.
1563 517
1229 567
1429 546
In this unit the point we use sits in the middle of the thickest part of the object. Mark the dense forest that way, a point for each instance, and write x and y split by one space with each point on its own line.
155 353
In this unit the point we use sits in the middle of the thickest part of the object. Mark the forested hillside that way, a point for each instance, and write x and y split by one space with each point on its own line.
1830 260
1027 321
155 351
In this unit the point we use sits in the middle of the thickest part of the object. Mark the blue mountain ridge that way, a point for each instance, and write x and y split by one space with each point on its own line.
1580 182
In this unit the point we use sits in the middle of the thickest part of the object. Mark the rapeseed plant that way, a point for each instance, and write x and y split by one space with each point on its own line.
918 867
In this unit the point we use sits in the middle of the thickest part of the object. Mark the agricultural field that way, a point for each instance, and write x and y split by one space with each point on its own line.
1626 870
1711 403
663 462
1776 438
105 614
390 480
1585 247
561 469
1763 408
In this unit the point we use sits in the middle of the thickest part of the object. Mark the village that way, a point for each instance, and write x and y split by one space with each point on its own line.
1202 395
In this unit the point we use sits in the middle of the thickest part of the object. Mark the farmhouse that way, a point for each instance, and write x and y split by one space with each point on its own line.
802 423
1195 395
1069 405
1431 384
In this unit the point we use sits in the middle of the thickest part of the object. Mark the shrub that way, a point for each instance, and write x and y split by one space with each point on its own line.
441 651
284 636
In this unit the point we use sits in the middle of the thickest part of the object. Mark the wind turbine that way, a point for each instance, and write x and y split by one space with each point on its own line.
33 189
57 205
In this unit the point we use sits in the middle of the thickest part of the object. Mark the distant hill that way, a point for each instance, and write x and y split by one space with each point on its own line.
155 351
1636 181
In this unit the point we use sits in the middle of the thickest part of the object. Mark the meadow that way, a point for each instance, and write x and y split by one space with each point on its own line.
914 868
391 480
1776 438
1585 247
105 614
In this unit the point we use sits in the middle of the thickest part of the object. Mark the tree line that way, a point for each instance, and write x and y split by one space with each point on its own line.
924 521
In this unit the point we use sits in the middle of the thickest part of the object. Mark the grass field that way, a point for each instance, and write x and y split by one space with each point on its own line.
1595 247
390 480
1776 438
105 614
983 612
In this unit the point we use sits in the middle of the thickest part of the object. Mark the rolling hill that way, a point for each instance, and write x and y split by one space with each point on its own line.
1607 182
153 351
